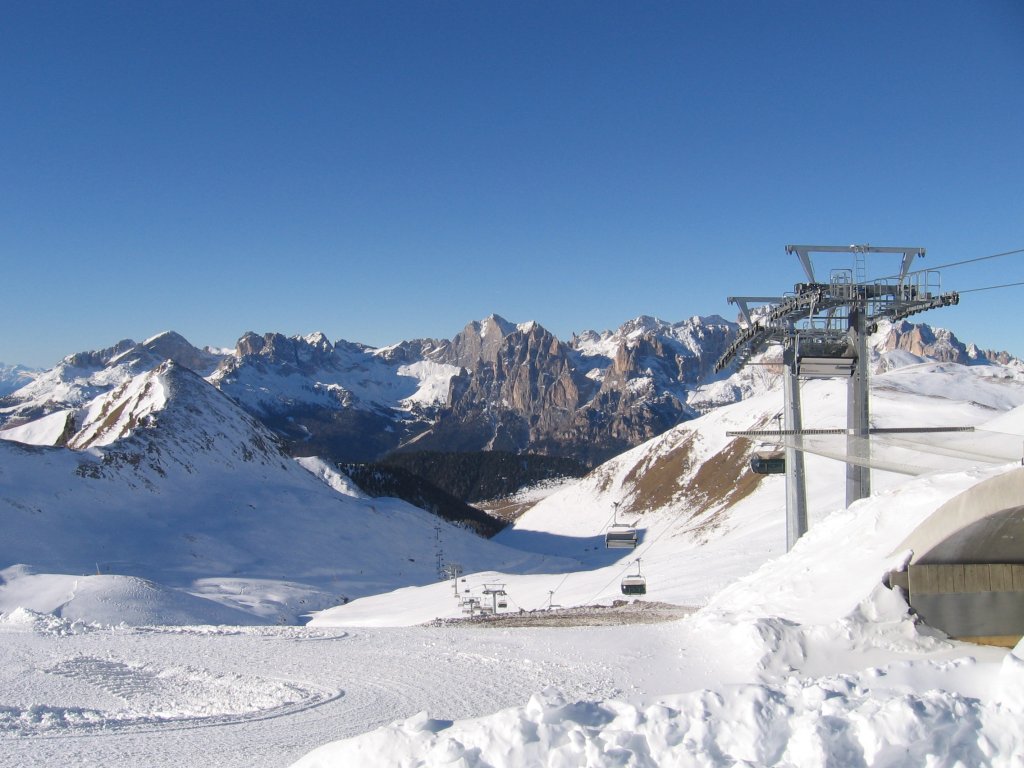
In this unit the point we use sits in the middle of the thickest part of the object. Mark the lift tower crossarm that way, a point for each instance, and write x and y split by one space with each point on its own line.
743 303
804 252
774 325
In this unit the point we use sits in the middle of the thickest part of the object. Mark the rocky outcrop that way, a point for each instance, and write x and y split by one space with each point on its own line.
937 344
99 358
303 353
523 389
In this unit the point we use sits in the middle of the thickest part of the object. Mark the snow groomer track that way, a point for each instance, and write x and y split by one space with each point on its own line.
76 694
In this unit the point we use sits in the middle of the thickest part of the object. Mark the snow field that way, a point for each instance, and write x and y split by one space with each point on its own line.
807 661
801 659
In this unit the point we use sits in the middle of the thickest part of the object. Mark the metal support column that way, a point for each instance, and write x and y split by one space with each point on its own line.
796 482
858 476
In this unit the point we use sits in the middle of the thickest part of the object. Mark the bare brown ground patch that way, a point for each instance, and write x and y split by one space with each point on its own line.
619 612
504 509
721 482
658 482
718 483
604 479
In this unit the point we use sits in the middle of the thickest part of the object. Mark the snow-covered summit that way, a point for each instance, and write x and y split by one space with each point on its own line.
71 385
14 377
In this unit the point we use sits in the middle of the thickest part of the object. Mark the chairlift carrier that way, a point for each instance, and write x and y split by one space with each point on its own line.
771 462
620 536
770 458
824 357
634 583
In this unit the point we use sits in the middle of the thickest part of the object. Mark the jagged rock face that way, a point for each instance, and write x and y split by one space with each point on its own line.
523 389
307 354
923 341
516 385
343 401
936 344
478 343
99 358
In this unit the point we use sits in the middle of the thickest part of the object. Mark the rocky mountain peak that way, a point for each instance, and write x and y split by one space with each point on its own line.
100 357
482 342
307 353
644 324
496 324
162 420
169 345
939 344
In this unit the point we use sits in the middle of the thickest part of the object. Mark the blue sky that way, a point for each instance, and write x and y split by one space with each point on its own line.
384 171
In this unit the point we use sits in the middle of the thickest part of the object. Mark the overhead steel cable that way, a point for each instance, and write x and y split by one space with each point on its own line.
979 258
991 287
955 264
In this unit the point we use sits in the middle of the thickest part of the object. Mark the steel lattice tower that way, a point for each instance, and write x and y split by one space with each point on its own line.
823 329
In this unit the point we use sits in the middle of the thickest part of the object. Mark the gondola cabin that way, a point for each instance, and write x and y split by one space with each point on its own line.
768 463
634 584
620 537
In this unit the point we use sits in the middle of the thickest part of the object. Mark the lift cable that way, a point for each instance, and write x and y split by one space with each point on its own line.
978 258
603 527
990 287
954 264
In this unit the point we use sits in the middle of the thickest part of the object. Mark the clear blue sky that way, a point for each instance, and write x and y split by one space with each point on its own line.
390 170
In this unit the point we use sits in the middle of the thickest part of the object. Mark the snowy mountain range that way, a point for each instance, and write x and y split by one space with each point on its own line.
494 386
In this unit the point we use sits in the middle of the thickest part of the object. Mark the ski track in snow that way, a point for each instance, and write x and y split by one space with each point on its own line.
237 696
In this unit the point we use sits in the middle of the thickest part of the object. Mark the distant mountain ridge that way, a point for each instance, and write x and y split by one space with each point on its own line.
495 386
14 377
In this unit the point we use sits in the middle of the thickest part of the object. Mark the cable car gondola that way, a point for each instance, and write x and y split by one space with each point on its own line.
634 583
768 463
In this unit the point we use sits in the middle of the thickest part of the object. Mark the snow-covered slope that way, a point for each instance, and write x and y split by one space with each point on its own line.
174 483
806 661
695 501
